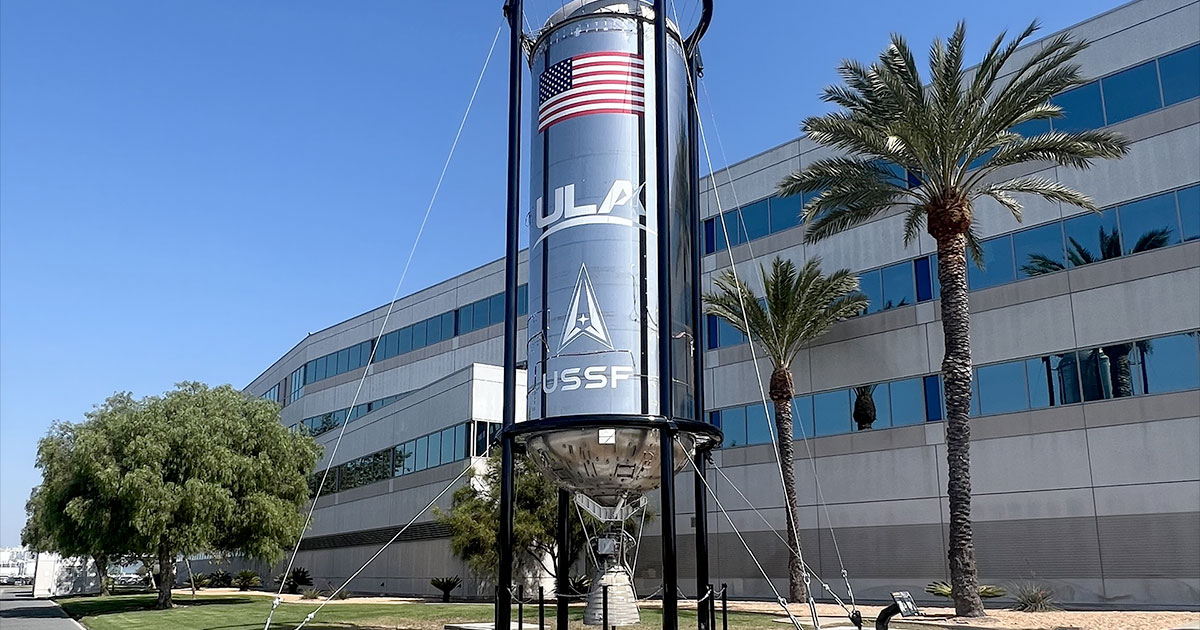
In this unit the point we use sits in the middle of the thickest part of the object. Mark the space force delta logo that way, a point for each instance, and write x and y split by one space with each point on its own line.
564 213
585 320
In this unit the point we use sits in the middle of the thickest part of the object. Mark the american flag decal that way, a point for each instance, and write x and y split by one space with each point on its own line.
595 83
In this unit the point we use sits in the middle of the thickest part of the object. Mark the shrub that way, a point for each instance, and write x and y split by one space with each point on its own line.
310 593
342 594
579 584
942 589
445 585
292 582
1032 597
220 579
198 580
246 580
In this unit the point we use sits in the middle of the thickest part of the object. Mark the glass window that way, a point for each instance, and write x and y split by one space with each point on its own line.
933 398
802 417
483 313
1092 237
1180 72
758 425
460 442
355 356
1165 364
831 410
998 264
924 279
974 397
421 461
343 361
908 401
406 338
755 220
1189 212
1039 250
481 441
898 289
1002 388
1131 92
871 408
1046 382
870 284
447 324
733 227
727 335
433 330
1148 224
398 460
447 445
1081 108
733 423
1032 127
522 299
419 340
496 308
319 368
1094 372
435 450
785 212
391 342
710 237
410 456
466 320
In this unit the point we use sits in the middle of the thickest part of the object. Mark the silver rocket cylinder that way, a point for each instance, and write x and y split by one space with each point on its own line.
594 320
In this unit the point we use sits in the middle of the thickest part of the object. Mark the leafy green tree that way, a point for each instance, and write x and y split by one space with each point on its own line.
798 306
196 470
952 136
475 513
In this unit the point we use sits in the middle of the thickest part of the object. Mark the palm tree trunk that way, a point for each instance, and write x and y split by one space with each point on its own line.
782 390
956 370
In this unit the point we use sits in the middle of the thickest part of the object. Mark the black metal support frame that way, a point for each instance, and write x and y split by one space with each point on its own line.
503 613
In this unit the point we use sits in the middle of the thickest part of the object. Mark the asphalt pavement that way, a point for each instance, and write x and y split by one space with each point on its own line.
20 611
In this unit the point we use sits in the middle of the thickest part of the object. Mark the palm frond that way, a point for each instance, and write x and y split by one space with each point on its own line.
1047 189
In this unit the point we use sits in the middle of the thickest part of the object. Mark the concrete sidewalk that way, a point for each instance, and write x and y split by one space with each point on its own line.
19 611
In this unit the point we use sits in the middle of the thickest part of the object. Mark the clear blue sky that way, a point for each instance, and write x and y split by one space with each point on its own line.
187 189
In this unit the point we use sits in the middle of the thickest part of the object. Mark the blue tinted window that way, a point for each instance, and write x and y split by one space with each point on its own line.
461 447
758 425
447 324
711 331
733 225
908 401
343 361
448 445
355 356
924 279
710 237
898 289
1131 92
870 284
1092 237
727 335
319 367
1081 108
1002 388
419 339
1039 251
733 423
466 319
434 445
1148 224
1094 372
422 454
496 308
831 411
391 343
1165 364
933 398
867 398
523 299
1180 73
974 397
1032 127
785 212
802 417
1189 212
1045 382
937 284
998 264
981 160
433 330
406 339
755 220
915 179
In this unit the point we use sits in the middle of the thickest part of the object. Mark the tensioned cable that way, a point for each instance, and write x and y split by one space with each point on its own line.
778 598
393 539
391 306
803 434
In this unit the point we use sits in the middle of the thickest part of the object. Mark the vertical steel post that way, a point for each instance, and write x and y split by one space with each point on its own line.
564 563
665 377
541 608
503 617
724 607
701 495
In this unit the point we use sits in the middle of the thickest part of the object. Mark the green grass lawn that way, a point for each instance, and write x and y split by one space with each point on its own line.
231 612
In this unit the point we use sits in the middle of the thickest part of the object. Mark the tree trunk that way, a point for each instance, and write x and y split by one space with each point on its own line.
782 391
191 576
956 371
166 579
101 561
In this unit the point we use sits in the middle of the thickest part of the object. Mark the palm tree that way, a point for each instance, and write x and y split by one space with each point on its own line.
952 136
798 306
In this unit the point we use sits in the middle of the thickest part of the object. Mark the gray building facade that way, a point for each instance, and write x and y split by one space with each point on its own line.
1086 435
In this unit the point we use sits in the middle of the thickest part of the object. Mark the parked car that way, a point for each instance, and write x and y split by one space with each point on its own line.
6 580
129 579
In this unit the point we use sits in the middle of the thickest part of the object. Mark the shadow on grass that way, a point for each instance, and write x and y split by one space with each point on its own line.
90 606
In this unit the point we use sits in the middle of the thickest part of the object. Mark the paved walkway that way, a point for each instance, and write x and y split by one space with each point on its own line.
19 611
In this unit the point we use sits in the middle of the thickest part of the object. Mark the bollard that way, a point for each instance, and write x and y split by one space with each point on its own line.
724 606
712 608
521 607
541 608
604 608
